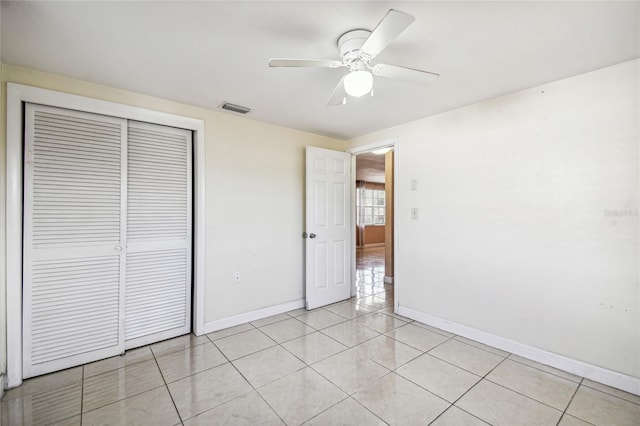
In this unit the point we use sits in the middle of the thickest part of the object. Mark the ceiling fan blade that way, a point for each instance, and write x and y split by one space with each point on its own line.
338 95
393 23
401 73
317 63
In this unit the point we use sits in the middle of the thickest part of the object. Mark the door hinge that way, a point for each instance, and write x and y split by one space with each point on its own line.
305 235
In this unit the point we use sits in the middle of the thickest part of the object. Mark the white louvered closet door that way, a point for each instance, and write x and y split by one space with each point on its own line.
74 232
158 288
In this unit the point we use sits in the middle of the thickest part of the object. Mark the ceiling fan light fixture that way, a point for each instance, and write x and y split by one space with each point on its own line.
358 83
381 151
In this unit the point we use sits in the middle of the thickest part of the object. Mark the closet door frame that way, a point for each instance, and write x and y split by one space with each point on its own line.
17 96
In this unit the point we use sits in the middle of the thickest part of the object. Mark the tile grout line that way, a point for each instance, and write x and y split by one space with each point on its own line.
82 397
569 403
544 371
166 385
474 385
247 380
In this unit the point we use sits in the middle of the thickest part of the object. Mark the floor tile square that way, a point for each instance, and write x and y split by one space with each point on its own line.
130 357
434 329
602 409
45 382
70 421
42 407
286 330
482 346
380 322
153 407
301 395
246 410
503 407
269 320
457 417
375 302
389 311
397 401
346 412
177 344
112 386
350 333
206 390
612 391
267 365
536 384
226 332
547 369
245 343
443 379
388 352
465 356
347 309
568 420
350 370
296 312
320 318
313 347
176 365
417 337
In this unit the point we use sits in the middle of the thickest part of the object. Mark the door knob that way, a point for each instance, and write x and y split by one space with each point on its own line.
312 235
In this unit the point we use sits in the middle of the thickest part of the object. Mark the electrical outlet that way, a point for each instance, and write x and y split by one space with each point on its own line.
414 184
236 277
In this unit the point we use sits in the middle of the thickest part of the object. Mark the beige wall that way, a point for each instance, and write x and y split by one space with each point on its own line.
254 198
374 235
528 217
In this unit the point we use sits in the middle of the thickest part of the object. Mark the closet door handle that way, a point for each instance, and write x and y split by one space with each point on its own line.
118 248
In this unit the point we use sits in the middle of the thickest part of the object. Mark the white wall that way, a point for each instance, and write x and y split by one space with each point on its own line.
3 312
254 208
528 217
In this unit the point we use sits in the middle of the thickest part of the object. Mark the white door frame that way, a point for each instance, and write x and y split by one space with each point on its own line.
17 95
385 143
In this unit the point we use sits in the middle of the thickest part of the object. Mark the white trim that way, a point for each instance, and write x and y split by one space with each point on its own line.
372 245
17 94
592 372
385 143
246 317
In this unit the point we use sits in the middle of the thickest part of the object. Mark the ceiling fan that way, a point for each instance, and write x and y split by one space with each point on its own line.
357 49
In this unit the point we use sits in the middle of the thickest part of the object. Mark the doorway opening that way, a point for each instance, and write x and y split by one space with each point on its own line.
374 226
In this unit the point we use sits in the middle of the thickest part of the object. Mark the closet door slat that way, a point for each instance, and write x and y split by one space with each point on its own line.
74 234
158 265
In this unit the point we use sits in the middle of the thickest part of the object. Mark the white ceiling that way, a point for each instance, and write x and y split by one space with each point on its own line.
204 53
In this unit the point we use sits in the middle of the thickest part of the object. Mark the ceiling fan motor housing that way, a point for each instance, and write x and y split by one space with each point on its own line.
350 44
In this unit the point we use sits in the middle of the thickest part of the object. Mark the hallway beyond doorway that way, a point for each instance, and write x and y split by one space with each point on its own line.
370 274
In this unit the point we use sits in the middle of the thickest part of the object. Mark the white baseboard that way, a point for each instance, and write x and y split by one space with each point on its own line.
223 323
592 372
388 280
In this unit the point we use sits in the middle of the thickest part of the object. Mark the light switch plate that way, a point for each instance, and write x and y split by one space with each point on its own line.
414 213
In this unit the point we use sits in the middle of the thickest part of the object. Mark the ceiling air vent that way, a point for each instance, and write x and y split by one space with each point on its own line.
235 108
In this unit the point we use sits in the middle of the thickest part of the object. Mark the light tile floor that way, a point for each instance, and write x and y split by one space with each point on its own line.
351 363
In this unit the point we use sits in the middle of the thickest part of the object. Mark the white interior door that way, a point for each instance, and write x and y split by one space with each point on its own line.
74 233
328 227
158 285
